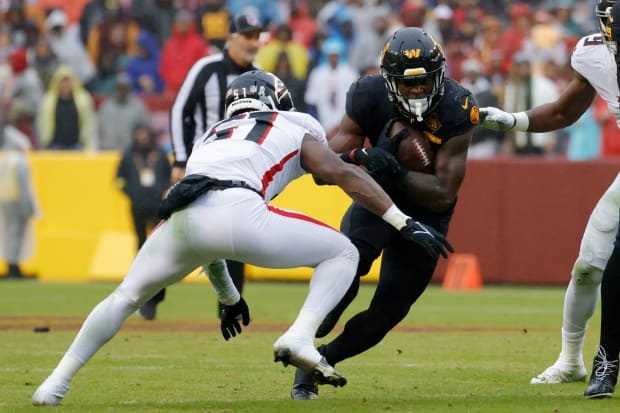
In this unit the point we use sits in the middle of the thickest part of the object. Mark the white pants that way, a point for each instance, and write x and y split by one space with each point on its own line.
231 224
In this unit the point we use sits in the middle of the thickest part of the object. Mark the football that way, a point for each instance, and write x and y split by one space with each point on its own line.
415 151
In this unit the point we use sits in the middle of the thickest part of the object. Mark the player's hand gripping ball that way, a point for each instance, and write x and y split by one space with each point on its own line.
414 150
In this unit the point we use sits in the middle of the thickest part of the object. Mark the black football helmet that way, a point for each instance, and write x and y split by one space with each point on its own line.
609 22
412 54
257 90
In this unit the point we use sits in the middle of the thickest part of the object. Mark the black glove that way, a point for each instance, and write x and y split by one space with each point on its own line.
230 316
377 161
428 237
390 143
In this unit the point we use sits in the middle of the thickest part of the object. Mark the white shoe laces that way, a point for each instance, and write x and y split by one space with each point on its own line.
604 366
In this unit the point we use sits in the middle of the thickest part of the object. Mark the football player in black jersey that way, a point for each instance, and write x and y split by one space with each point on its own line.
412 84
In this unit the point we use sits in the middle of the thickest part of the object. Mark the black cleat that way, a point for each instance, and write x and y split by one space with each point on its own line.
604 376
305 386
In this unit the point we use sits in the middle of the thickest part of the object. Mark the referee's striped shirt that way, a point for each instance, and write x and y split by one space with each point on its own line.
200 101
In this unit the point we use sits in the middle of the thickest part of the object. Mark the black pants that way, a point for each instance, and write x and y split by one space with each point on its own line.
406 270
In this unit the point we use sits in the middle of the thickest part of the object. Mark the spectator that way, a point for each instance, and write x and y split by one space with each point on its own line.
213 17
369 42
43 60
283 41
156 16
266 10
143 66
525 90
17 202
96 12
295 85
6 43
118 116
66 119
26 92
517 35
181 51
302 24
413 14
327 87
112 40
67 47
143 175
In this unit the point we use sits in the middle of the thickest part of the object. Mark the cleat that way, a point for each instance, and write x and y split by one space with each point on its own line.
302 354
561 373
50 393
604 376
305 392
305 386
326 374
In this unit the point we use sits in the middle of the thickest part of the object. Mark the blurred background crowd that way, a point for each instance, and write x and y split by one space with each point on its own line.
82 75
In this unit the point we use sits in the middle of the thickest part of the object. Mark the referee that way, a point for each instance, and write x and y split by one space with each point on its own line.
200 103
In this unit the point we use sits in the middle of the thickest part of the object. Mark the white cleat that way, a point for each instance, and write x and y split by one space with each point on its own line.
301 353
50 393
561 373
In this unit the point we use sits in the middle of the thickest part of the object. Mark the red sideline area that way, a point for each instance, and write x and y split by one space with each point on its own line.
523 217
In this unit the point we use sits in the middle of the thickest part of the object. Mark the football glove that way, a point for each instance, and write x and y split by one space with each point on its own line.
496 119
390 143
230 316
428 237
377 161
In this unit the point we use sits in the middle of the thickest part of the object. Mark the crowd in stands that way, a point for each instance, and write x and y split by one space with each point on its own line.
77 75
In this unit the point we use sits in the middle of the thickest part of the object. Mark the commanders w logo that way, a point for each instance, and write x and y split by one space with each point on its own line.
412 53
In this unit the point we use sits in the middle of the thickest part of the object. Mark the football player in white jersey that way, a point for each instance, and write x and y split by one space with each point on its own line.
595 63
220 211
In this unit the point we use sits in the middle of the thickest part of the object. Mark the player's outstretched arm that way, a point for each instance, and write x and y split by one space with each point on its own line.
327 167
563 112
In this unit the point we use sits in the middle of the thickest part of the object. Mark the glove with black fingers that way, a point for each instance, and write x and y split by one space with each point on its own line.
390 143
230 316
428 237
496 119
377 161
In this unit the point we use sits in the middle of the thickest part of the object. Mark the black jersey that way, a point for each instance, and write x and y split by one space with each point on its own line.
369 105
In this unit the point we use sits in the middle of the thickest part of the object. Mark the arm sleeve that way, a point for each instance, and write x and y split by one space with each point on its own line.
225 290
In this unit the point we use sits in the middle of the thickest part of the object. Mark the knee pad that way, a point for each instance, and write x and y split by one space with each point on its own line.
586 273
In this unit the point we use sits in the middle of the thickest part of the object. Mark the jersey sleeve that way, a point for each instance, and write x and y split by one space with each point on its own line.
360 99
585 58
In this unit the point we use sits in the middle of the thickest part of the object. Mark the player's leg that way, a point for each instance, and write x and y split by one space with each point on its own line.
276 238
369 235
583 289
237 275
406 271
162 261
604 375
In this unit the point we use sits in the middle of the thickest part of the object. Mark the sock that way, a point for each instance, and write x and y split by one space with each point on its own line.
579 305
329 283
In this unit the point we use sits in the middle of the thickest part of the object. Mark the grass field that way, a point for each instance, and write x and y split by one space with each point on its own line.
455 352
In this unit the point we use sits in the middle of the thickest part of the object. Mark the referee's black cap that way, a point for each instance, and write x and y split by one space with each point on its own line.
244 22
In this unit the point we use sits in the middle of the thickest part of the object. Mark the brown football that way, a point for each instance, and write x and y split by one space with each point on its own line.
415 151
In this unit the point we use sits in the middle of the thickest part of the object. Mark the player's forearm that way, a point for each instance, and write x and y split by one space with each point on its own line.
428 191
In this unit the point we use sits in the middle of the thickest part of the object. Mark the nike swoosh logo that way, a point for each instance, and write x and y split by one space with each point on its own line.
466 104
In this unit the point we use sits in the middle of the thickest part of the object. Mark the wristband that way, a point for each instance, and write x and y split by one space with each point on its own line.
348 157
522 121
395 217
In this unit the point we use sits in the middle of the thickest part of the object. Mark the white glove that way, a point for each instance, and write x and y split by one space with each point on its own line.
496 119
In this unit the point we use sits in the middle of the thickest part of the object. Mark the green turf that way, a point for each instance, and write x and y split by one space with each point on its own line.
489 344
